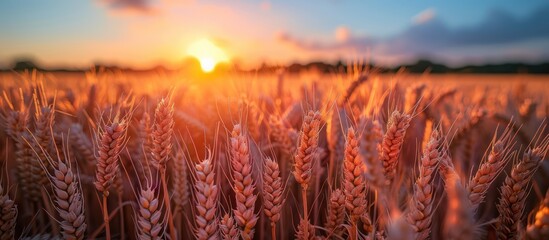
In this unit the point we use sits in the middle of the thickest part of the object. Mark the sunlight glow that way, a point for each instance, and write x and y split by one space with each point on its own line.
207 53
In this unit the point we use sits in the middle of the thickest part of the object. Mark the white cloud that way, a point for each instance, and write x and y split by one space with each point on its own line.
424 16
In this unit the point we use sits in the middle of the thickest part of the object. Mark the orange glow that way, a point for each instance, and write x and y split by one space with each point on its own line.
207 53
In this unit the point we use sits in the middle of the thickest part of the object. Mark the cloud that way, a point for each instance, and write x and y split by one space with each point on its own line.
344 42
424 16
431 36
342 34
142 6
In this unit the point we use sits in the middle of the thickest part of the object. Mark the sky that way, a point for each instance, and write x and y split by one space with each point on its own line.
143 33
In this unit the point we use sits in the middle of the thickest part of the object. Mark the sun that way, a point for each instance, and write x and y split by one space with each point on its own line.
207 53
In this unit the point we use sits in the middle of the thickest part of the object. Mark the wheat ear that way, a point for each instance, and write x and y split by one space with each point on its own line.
305 230
515 190
144 135
392 143
539 229
490 169
370 141
16 123
69 201
206 201
180 183
421 206
244 186
281 135
304 158
162 147
8 215
150 225
336 211
272 193
112 138
81 143
229 230
44 117
413 96
337 122
354 184
308 144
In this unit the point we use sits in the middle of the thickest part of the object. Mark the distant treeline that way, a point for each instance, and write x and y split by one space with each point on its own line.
421 66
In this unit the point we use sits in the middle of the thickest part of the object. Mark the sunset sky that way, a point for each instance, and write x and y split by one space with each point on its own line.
141 33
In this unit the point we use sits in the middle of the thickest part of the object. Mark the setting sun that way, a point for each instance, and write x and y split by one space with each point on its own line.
207 53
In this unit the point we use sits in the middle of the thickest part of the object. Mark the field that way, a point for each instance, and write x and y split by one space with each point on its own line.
358 155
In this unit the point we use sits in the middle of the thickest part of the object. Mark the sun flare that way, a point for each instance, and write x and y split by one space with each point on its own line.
207 53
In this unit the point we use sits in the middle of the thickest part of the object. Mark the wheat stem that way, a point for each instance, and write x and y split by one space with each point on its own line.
106 217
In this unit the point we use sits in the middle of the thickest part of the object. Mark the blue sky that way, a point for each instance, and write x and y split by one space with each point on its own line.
142 32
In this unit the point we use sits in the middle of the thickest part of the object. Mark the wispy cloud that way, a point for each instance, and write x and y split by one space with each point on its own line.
344 40
424 16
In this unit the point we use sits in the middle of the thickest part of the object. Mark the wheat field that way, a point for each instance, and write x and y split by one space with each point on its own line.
357 155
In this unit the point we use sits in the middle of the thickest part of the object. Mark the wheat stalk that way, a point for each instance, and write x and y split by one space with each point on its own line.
427 133
244 186
392 143
206 201
420 210
112 138
369 151
272 193
515 190
337 122
16 123
162 134
490 169
354 184
305 154
162 147
43 121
